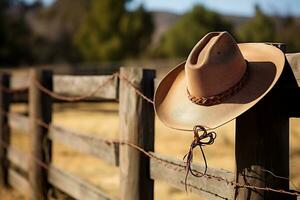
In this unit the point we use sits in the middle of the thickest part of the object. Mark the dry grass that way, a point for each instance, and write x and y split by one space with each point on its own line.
101 120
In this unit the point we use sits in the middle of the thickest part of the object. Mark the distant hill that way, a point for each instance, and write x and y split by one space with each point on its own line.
162 22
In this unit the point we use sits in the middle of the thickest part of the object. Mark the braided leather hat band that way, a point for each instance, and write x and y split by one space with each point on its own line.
219 98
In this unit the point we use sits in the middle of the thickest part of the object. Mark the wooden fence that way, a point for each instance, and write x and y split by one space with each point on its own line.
256 149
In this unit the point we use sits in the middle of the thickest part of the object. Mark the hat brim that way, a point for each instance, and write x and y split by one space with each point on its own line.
174 109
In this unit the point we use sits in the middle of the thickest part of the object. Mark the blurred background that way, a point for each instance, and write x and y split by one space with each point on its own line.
35 32
106 34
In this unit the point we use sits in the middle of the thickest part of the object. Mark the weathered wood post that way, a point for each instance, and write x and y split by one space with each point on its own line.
4 129
262 143
137 127
40 108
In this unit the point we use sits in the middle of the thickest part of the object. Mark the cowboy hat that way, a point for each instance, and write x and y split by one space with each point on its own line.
219 81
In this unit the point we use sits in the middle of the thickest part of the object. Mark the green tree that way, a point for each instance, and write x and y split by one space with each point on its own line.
192 26
110 32
261 28
15 36
55 27
288 33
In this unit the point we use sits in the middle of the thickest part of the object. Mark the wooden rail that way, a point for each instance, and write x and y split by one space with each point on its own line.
75 85
67 183
97 147
19 122
79 85
19 159
18 182
206 187
137 171
108 152
74 186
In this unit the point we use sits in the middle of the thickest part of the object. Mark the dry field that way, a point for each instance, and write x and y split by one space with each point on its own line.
101 120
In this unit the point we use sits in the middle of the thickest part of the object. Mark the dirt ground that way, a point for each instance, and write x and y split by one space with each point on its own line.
101 120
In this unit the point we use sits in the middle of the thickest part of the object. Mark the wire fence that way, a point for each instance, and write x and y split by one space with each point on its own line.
166 163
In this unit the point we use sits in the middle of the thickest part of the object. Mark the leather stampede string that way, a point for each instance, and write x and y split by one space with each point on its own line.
206 138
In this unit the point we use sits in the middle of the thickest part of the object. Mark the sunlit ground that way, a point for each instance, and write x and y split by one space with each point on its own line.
101 120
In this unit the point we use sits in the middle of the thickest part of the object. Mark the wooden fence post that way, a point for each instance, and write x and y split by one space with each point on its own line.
40 108
137 127
262 143
4 129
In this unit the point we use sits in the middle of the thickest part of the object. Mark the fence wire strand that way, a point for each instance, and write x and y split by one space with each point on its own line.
166 163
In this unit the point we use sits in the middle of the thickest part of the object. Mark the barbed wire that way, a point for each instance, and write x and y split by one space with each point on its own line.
166 163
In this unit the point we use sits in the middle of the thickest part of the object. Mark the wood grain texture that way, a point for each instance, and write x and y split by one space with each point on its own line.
82 85
74 186
19 183
19 159
136 127
262 143
262 140
294 62
290 86
19 122
108 152
40 108
4 130
67 183
19 79
207 188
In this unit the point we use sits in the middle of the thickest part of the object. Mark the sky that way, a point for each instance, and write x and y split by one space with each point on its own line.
230 7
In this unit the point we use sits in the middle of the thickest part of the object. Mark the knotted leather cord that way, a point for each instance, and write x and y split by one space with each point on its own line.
219 98
199 140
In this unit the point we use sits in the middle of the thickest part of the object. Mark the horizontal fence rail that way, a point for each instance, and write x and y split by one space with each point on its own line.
67 183
206 186
79 85
97 147
19 159
74 88
19 122
74 186
108 152
18 182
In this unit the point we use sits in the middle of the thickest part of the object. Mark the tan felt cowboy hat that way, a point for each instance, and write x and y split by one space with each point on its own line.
219 81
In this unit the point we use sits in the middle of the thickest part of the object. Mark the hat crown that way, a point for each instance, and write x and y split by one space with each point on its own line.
214 65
